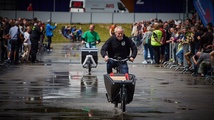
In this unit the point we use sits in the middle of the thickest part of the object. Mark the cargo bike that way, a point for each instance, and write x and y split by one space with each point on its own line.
89 58
120 87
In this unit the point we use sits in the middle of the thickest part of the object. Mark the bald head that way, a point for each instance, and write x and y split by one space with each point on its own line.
119 32
92 27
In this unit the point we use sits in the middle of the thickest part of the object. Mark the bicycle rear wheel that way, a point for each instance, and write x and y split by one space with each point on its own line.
89 66
123 99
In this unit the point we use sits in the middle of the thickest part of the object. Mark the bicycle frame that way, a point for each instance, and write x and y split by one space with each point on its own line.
89 63
89 58
119 63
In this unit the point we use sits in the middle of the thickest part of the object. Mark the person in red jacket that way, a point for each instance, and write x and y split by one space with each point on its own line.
30 8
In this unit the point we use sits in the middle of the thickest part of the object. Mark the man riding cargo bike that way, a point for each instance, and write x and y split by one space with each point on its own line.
89 55
116 51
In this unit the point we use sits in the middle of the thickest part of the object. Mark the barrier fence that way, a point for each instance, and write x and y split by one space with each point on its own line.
67 17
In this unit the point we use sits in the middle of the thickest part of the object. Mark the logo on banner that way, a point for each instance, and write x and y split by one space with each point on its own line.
139 2
109 5
208 15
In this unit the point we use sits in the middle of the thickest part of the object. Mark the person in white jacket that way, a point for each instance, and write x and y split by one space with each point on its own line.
27 44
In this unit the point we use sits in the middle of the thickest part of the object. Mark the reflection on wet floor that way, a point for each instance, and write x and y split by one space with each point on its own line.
71 50
89 86
55 113
196 81
60 89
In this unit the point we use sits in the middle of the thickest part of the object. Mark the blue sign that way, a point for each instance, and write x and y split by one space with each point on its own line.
205 9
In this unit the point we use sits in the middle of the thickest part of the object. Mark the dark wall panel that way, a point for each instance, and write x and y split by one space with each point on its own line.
161 6
151 6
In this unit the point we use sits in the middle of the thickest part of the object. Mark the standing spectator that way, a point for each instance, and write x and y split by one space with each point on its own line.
163 42
34 38
42 36
189 54
30 8
90 38
135 33
188 23
27 43
7 37
183 44
167 45
49 33
147 45
205 40
180 51
174 37
111 29
14 34
196 35
156 42
1 38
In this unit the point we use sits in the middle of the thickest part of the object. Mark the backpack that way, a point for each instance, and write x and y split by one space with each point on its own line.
147 40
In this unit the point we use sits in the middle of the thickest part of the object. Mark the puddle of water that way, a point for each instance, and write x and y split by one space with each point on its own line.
184 108
61 73
164 83
65 77
195 81
159 79
75 75
56 113
71 50
3 82
89 86
47 64
171 101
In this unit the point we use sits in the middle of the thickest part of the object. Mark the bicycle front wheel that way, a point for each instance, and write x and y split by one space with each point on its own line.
89 67
123 99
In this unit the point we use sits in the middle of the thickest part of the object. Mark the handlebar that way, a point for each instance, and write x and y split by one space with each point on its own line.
120 60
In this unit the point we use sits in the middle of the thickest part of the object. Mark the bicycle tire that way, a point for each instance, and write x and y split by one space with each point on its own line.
89 67
116 104
123 99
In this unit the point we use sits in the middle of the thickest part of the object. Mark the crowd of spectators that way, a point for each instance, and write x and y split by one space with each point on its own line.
187 44
20 39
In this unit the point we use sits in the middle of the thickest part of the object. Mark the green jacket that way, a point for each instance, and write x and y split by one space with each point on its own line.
91 37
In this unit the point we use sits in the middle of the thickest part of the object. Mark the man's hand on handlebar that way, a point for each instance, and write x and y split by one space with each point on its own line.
131 59
106 58
83 42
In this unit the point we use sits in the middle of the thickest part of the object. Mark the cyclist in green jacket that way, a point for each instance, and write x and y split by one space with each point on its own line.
90 38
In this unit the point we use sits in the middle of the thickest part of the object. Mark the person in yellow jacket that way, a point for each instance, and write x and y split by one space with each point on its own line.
156 42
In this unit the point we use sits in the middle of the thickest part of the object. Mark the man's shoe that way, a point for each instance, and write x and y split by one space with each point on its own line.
144 62
152 62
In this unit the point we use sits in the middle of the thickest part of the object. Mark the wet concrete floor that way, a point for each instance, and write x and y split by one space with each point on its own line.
60 89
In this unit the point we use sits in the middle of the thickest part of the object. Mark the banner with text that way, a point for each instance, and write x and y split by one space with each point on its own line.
205 9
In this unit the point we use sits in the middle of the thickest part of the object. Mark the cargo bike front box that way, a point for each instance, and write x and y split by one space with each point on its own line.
114 83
